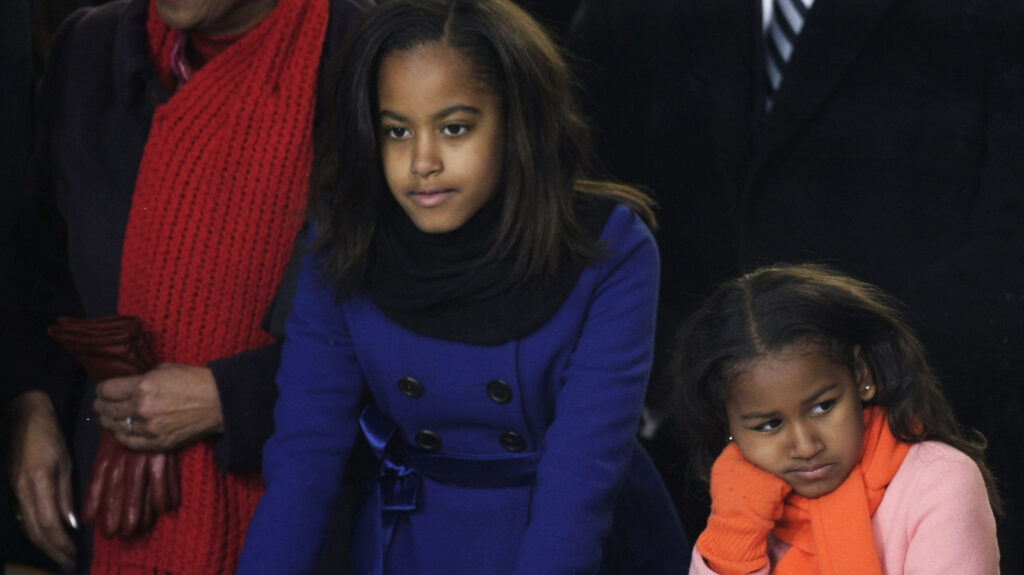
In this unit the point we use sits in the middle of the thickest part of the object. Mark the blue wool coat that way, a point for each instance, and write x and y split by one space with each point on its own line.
511 458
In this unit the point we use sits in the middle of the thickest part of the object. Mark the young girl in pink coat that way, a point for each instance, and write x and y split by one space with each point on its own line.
834 450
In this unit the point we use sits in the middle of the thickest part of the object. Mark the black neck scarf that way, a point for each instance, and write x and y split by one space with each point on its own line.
444 285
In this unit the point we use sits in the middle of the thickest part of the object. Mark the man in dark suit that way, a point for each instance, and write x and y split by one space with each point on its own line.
893 149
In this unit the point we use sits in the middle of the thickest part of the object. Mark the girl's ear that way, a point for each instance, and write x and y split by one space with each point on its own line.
866 386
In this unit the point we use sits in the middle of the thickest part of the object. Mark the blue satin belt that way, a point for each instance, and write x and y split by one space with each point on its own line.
400 479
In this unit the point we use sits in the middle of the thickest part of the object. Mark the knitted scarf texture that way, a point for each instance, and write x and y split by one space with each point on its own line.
218 200
832 534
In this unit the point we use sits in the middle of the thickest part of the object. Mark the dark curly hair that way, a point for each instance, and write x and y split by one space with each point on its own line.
776 307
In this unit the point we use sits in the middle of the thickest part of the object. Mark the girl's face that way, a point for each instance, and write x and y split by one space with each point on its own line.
442 140
216 17
799 415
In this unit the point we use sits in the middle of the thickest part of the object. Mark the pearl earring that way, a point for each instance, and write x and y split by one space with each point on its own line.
867 388
730 438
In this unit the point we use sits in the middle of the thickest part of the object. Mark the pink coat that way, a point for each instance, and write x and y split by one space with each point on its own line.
934 518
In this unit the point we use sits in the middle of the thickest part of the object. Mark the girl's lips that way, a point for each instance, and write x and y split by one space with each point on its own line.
429 198
814 472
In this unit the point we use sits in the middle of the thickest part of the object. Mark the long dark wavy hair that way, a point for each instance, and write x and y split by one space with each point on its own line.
776 307
547 142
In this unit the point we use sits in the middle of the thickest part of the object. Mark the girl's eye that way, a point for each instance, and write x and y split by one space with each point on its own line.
823 407
396 132
455 129
769 426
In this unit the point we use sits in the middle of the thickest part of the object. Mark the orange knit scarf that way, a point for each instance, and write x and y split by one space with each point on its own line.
218 200
832 534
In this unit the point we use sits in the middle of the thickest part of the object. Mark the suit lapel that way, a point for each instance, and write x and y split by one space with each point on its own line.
830 42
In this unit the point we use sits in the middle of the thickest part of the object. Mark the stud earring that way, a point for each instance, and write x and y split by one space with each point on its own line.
867 388
730 438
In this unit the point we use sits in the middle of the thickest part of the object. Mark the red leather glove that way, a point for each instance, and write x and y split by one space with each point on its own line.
164 479
128 489
113 346
746 501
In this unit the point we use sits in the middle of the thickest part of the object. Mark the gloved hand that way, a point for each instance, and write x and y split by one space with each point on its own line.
746 501
128 489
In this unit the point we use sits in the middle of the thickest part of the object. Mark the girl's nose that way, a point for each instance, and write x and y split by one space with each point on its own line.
426 160
804 441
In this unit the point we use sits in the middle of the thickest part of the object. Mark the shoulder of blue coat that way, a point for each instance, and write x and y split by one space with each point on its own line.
625 225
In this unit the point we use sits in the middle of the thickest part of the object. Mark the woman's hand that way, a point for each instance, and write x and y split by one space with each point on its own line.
40 474
170 406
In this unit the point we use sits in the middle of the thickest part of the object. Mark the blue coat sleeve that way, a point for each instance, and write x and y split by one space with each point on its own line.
316 423
588 446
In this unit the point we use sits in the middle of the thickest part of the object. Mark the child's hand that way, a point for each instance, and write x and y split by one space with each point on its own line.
745 503
740 487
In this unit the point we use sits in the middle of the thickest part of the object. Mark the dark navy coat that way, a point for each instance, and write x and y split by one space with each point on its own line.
518 455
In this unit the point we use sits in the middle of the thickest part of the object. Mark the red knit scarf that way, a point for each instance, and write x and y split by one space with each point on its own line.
217 203
832 534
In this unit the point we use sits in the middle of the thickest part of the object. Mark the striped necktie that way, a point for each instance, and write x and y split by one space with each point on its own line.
787 21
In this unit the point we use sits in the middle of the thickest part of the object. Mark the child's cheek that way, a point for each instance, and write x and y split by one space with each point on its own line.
760 452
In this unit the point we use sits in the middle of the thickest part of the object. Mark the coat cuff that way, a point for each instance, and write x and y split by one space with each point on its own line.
248 392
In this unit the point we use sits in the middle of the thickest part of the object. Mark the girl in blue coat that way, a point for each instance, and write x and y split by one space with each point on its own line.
482 315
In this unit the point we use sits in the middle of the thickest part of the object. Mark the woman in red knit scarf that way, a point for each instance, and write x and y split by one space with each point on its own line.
176 141
841 455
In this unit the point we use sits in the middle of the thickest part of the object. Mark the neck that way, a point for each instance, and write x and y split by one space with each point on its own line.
204 47
243 18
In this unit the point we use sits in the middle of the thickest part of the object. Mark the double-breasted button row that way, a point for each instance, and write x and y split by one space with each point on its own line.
497 389
429 441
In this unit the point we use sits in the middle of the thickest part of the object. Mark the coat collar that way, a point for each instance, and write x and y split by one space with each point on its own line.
135 79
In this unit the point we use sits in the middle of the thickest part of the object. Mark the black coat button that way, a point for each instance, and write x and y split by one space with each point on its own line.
428 440
410 387
513 442
500 391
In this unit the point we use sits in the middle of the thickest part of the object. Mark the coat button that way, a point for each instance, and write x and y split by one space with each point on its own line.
410 387
513 442
428 440
500 391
